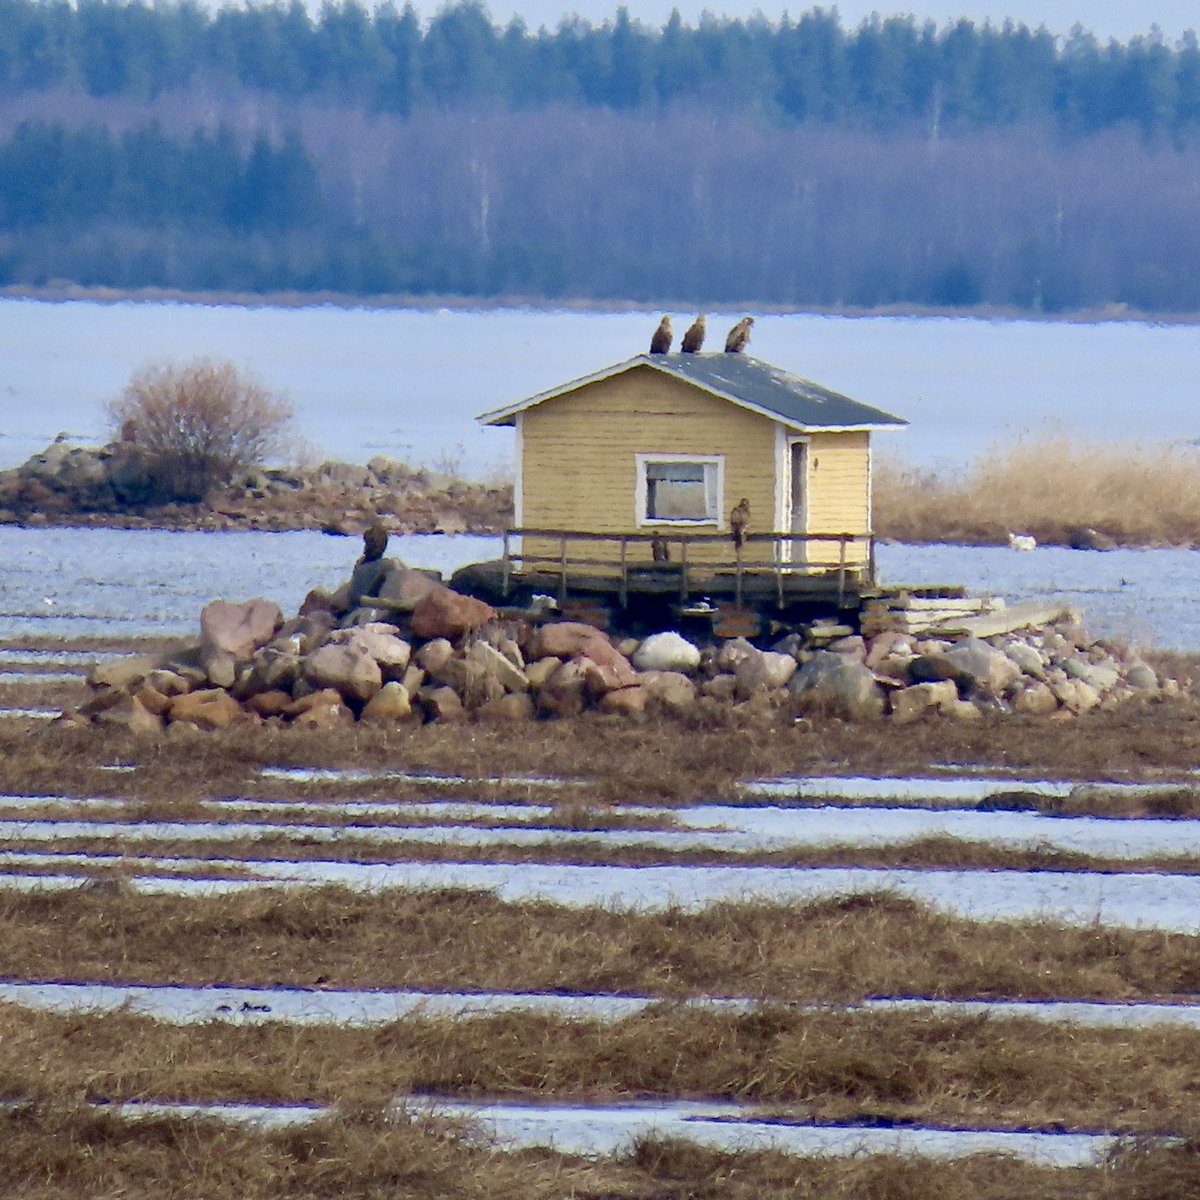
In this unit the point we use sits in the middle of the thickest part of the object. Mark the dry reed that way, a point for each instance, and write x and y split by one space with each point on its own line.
1051 487
64 1152
893 1067
453 939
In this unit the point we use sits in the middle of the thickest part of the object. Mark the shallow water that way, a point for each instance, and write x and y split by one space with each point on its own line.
358 1007
60 583
603 1130
732 829
1149 900
397 382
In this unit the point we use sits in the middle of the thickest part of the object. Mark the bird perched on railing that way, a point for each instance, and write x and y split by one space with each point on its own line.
660 343
739 336
739 519
694 338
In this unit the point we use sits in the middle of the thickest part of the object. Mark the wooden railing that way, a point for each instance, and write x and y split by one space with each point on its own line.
797 561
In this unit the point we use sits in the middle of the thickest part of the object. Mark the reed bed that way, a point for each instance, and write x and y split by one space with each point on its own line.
1052 487
62 1152
836 950
895 1067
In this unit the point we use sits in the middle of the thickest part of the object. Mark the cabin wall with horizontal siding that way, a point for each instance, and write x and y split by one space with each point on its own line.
839 490
580 458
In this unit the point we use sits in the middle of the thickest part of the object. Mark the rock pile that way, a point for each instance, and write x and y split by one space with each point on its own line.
115 485
443 656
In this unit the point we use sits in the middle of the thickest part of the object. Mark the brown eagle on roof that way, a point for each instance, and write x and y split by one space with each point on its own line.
694 338
739 336
660 343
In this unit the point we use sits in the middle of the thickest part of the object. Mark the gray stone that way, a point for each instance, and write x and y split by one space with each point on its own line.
764 671
1036 699
563 695
349 669
499 666
124 673
1027 658
666 652
733 652
973 665
671 691
1100 676
238 629
1141 677
391 704
834 685
910 703
382 643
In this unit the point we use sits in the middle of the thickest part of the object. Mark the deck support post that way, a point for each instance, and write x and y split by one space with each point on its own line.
683 571
624 571
507 568
737 574
842 572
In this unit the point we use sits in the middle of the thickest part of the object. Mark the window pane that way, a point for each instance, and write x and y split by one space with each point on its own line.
681 491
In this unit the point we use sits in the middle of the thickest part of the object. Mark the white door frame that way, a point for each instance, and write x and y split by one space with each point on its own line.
789 442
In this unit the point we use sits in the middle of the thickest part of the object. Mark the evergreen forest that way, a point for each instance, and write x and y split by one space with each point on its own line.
797 162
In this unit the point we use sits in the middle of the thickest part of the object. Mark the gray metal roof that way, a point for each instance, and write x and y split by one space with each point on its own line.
745 381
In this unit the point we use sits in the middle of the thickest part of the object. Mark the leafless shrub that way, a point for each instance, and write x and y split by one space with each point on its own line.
197 423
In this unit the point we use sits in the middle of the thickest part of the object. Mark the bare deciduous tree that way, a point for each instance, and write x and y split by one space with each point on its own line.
197 423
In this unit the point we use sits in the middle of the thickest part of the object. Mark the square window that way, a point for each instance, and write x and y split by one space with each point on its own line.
683 490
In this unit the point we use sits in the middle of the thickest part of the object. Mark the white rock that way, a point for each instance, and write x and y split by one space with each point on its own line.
666 652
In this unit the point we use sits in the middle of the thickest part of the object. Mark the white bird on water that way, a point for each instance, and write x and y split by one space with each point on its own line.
1022 541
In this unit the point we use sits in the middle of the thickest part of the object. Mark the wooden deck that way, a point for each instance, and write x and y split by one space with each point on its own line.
775 570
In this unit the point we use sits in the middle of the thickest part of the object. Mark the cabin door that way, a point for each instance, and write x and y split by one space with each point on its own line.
798 496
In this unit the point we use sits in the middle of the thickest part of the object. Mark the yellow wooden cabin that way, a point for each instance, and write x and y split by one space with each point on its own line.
630 474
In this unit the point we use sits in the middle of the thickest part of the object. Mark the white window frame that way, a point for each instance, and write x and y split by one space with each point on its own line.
714 461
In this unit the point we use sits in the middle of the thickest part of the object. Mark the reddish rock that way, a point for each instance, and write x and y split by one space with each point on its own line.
152 700
209 709
238 629
446 613
434 655
130 712
390 705
539 671
270 704
625 702
326 715
515 707
326 697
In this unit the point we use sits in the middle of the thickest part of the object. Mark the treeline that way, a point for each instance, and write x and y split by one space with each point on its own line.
554 205
882 74
59 177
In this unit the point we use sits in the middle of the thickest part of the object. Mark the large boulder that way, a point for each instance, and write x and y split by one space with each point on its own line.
910 703
447 614
212 708
230 633
124 674
390 705
499 666
974 666
380 642
666 652
835 685
762 672
348 669
563 694
669 691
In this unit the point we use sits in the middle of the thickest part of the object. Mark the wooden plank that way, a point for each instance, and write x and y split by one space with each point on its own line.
968 604
1017 616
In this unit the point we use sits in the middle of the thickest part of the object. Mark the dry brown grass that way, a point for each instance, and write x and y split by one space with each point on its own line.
903 1067
828 950
1138 495
66 1152
275 845
667 762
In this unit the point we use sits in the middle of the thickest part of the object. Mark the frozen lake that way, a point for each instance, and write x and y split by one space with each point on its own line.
409 382
88 582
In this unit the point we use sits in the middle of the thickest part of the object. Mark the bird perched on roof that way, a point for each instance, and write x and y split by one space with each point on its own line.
739 519
660 343
739 336
694 338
